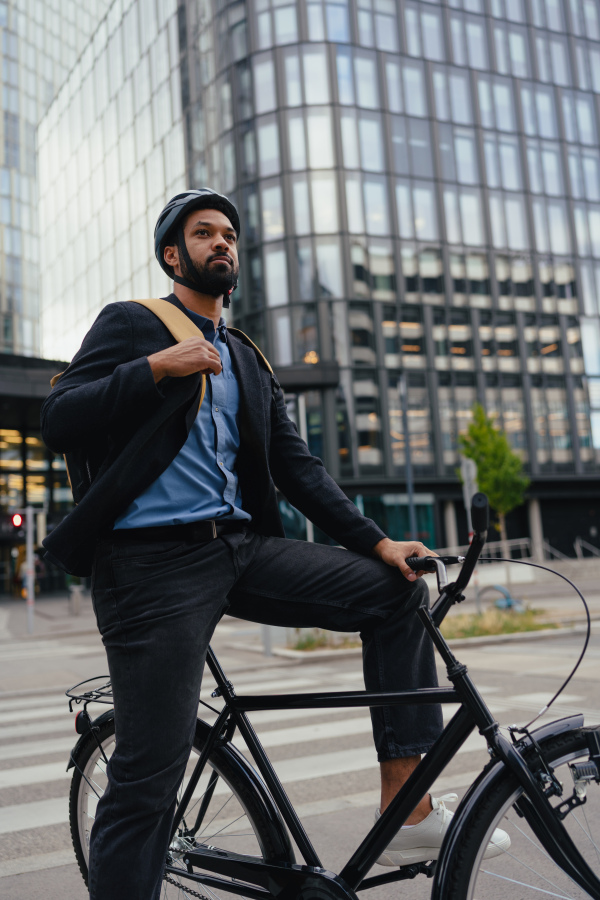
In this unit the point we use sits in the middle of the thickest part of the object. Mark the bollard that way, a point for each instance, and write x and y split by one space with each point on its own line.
76 592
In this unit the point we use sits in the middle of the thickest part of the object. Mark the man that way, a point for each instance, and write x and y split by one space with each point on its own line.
177 514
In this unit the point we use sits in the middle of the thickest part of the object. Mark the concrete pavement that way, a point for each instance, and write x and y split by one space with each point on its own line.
326 758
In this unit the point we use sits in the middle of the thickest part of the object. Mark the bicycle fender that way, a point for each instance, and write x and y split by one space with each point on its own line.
256 786
74 754
494 770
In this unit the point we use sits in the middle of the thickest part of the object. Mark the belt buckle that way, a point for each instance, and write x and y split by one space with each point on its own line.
214 528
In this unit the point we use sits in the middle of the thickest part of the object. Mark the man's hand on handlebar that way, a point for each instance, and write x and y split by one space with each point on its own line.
395 553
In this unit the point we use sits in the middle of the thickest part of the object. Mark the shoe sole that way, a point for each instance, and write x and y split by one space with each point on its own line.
425 854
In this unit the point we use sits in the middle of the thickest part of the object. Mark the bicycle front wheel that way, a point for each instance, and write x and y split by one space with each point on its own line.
233 815
525 871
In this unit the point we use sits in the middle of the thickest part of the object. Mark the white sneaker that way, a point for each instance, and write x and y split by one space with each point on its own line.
422 842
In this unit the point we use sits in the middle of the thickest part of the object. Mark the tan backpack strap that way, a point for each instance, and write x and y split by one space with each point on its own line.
257 350
180 326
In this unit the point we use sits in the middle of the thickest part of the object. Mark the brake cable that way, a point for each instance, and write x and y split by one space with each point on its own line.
524 562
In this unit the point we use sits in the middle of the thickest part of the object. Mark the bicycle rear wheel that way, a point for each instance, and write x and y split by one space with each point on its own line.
235 818
525 871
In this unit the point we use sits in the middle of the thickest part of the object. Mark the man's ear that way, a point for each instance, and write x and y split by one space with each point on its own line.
171 255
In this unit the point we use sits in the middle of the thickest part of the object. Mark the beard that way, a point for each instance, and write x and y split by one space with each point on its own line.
213 279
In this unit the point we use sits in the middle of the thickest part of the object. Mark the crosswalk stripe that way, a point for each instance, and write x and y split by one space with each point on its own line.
298 769
31 729
39 814
26 775
36 748
364 799
27 703
52 812
17 715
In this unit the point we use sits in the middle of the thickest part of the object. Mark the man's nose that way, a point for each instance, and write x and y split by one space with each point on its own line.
219 242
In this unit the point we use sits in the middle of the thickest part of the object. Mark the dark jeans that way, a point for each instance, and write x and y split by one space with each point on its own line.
157 605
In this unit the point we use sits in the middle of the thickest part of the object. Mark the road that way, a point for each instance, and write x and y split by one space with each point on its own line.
325 758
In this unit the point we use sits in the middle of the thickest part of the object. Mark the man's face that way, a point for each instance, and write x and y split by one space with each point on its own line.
211 243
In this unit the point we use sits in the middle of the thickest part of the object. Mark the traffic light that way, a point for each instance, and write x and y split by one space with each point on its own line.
17 520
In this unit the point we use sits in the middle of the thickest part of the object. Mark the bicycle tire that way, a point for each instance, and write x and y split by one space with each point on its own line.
269 837
525 871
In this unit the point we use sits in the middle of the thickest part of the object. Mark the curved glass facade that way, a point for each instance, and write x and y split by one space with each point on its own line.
419 185
111 154
39 42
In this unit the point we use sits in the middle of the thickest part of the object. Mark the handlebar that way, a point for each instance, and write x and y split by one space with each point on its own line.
480 514
428 564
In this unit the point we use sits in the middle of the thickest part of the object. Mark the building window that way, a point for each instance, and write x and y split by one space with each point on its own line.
469 42
496 104
452 95
538 111
406 88
417 213
11 141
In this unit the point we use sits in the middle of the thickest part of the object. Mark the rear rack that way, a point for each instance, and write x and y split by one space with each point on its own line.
100 694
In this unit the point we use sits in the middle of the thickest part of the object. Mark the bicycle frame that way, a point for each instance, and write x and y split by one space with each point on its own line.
282 879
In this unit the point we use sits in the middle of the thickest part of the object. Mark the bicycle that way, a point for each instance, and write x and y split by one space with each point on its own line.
233 825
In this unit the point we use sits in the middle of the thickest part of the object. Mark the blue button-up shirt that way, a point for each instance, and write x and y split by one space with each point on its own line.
201 482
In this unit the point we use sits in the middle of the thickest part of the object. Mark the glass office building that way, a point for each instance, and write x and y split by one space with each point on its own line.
111 152
40 41
419 185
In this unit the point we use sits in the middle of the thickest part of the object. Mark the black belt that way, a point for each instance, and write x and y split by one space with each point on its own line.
193 532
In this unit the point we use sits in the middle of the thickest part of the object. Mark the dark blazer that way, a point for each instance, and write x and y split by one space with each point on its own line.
120 431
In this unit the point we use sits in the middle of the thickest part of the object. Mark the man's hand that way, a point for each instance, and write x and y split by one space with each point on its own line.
394 553
190 356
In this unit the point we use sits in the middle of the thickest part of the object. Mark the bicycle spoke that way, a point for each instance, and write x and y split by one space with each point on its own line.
524 884
531 869
208 824
588 832
213 836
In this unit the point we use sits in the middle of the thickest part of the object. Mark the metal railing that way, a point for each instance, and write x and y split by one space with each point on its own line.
516 548
580 545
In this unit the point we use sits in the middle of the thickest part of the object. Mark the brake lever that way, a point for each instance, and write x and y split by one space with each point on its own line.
435 564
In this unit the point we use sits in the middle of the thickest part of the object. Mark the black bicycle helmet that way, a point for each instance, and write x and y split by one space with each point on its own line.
170 222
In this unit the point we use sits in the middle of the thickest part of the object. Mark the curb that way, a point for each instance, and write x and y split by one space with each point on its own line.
455 643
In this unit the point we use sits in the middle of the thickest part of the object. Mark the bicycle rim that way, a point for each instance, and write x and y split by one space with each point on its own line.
228 823
526 871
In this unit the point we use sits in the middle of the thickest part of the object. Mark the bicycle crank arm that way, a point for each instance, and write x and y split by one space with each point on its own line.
546 824
272 881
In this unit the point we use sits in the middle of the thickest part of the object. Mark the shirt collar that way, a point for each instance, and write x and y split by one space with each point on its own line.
207 326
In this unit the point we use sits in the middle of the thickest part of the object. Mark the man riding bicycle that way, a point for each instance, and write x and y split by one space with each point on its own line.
177 522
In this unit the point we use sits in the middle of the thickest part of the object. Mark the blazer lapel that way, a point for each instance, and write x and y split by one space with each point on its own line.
252 412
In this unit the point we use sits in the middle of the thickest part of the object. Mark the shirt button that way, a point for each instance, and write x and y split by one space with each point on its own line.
216 409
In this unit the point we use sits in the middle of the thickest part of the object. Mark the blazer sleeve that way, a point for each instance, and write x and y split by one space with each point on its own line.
105 390
305 482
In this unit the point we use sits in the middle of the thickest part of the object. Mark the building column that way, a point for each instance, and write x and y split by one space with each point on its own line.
450 525
535 529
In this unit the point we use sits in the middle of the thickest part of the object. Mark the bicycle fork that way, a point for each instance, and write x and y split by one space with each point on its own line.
534 805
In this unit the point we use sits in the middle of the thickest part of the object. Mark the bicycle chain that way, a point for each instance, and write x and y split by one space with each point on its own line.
187 890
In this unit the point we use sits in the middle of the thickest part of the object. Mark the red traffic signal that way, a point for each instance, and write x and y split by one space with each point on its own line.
17 520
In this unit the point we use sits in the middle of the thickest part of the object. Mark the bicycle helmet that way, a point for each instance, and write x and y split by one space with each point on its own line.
169 227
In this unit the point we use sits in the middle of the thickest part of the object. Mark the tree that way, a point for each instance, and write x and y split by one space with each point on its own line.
499 469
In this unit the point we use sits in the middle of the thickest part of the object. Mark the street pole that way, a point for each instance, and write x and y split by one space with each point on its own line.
29 568
412 518
468 472
303 429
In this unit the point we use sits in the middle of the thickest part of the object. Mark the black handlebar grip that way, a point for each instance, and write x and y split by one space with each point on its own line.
480 513
421 563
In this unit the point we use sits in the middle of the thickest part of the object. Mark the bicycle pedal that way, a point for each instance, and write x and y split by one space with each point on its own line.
585 771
